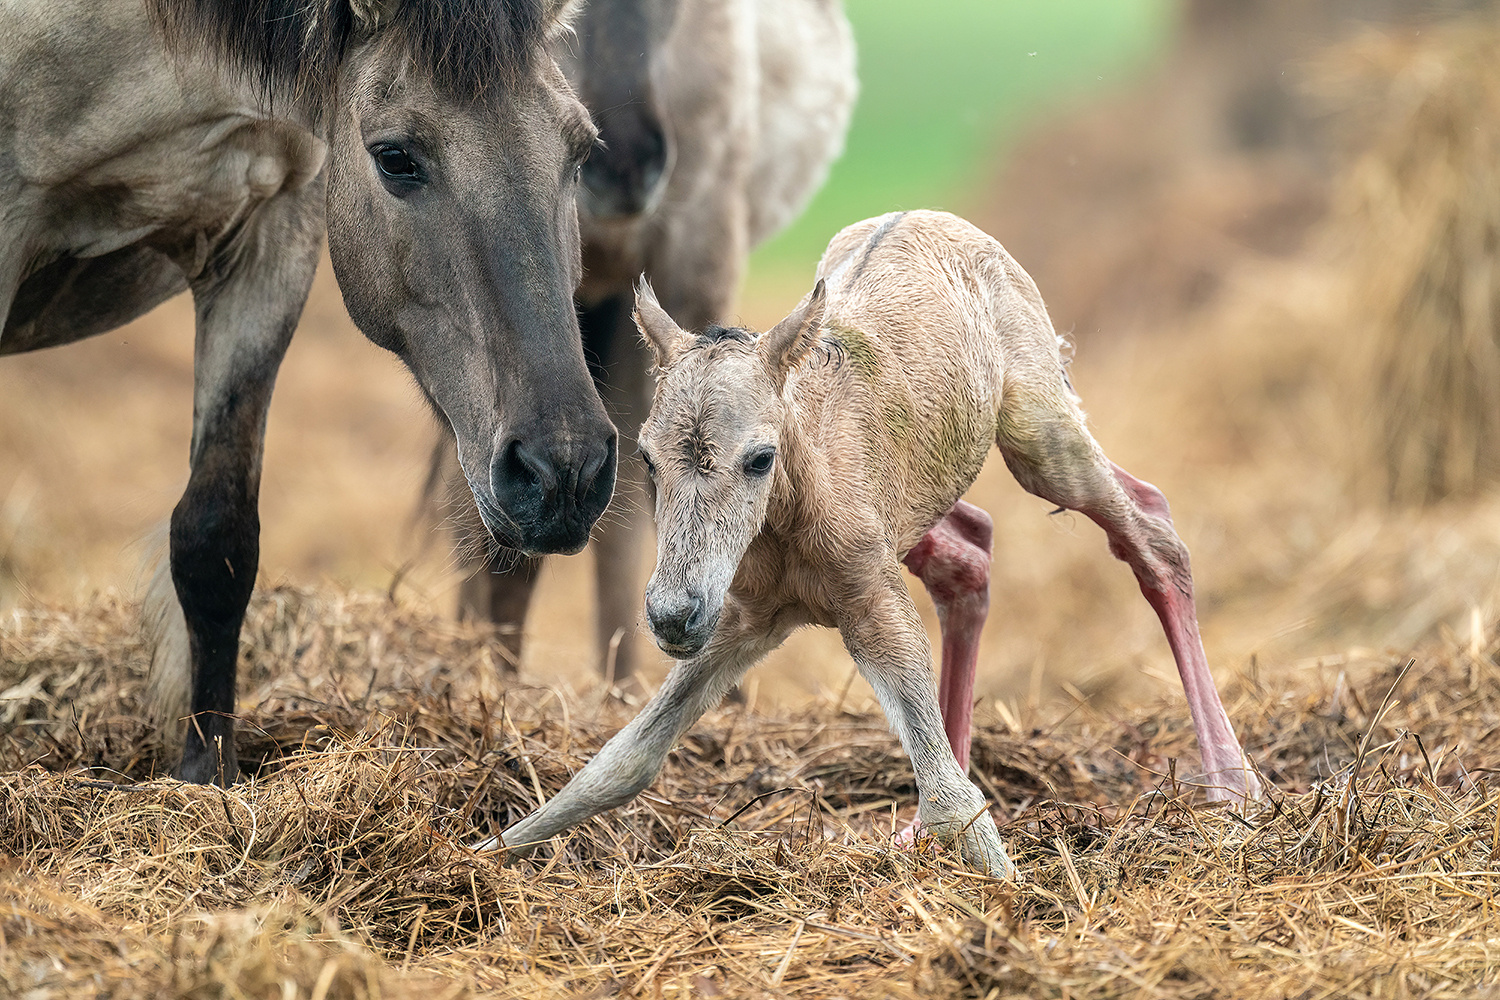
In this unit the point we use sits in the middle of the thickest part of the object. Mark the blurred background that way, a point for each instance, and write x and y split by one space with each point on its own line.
1271 229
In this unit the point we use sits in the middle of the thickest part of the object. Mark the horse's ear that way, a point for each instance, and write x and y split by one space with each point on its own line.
657 329
371 14
784 346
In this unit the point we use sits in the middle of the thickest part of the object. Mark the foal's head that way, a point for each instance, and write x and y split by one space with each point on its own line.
710 447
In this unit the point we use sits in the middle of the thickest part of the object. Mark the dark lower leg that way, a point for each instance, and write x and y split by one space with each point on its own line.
500 592
953 562
215 551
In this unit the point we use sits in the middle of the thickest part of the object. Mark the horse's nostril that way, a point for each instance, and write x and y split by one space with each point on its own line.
596 480
529 464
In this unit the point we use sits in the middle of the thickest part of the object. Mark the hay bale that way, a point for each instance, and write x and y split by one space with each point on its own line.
1420 211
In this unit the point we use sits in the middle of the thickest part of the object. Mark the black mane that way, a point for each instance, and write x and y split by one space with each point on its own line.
464 46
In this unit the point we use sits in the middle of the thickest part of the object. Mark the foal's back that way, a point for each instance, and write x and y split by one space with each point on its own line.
940 330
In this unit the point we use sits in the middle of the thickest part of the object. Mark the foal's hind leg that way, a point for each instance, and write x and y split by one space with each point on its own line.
1052 454
247 305
953 562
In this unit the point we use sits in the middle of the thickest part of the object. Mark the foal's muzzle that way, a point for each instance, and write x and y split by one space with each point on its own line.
681 620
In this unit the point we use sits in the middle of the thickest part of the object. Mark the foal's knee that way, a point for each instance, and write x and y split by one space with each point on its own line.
953 559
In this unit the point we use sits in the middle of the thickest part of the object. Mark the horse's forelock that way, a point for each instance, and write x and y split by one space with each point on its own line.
466 47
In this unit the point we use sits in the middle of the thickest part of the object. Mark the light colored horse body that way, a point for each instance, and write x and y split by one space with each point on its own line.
155 145
711 143
796 470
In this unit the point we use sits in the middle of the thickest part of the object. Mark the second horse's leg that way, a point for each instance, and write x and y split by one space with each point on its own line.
619 361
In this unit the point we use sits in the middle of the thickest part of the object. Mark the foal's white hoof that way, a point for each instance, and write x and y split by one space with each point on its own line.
488 844
978 843
983 850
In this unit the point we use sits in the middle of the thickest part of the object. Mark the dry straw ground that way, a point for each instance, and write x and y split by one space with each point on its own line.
757 866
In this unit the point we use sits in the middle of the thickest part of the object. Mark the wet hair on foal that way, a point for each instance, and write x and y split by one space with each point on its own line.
790 492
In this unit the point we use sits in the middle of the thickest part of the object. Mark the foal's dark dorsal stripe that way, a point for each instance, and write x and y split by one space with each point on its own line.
462 45
873 242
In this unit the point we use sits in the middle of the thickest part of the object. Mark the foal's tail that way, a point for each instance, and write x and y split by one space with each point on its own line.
170 683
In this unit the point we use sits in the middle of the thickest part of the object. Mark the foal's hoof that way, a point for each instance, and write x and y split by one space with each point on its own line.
1237 785
979 844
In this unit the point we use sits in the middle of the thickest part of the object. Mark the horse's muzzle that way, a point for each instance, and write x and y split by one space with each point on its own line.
549 491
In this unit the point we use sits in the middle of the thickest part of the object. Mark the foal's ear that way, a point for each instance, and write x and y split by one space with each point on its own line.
784 346
657 329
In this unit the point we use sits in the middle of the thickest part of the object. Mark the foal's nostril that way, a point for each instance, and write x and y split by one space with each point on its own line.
696 608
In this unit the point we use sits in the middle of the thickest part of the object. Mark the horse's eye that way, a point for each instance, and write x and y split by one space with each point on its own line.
760 463
650 465
397 165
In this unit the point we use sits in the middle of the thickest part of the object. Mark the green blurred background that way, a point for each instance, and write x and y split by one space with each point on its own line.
943 88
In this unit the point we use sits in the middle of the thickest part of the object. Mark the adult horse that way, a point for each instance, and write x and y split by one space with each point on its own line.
717 119
155 145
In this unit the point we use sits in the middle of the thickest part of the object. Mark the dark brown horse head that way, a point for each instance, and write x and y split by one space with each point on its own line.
453 230
614 64
455 144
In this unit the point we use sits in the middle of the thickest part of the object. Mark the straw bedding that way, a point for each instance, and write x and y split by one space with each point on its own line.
756 866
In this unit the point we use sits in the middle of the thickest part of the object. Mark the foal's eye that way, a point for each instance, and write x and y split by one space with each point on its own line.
397 166
650 465
760 463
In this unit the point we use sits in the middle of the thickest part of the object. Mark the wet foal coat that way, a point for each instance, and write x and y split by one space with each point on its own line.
795 471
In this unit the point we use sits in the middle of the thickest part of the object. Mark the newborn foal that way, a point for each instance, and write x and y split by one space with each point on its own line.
795 470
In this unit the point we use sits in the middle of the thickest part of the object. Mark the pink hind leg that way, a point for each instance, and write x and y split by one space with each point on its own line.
953 561
1161 568
1048 448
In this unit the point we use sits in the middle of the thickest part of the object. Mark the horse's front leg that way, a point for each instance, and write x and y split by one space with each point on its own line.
890 647
633 757
248 299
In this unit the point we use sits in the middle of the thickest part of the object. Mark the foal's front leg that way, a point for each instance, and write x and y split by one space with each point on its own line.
890 647
953 562
248 299
633 757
